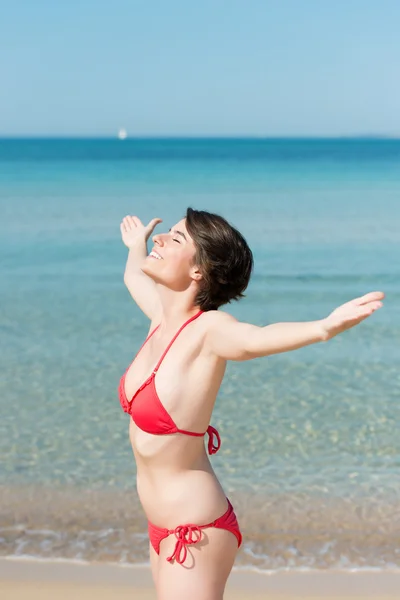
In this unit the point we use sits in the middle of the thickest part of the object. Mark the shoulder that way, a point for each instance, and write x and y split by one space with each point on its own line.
228 338
214 322
212 318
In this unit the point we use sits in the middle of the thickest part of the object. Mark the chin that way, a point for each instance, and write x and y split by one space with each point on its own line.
149 268
165 278
145 267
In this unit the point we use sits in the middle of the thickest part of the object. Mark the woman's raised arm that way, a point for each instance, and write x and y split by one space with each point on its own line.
142 289
233 340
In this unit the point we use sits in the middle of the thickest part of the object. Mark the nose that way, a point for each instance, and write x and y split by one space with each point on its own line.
158 238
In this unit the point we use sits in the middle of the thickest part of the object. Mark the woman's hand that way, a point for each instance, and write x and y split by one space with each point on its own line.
351 313
133 231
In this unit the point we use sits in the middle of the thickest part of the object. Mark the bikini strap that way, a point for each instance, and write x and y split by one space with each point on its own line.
214 440
174 338
147 339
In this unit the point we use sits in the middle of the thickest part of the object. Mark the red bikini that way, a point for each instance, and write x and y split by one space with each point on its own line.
149 414
191 534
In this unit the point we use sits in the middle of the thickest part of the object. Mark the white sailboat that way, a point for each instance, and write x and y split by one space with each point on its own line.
122 134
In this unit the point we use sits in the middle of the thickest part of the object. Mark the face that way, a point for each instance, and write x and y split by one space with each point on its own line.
170 260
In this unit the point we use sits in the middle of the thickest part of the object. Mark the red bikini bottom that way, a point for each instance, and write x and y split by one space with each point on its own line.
192 534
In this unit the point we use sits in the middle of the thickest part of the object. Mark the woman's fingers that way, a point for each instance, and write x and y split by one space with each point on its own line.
134 228
131 222
364 311
137 222
152 224
370 297
369 308
377 304
351 313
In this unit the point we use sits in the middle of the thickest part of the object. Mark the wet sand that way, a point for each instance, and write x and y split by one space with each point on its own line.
40 580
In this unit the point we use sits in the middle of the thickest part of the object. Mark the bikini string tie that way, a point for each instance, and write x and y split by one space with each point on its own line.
185 534
213 433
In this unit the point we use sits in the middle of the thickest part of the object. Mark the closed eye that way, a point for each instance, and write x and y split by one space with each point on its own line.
174 239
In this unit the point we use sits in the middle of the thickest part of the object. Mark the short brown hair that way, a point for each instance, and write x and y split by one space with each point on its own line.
223 257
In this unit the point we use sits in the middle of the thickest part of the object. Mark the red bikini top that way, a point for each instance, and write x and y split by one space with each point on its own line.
148 412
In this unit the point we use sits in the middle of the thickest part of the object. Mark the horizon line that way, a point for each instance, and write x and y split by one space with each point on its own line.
369 136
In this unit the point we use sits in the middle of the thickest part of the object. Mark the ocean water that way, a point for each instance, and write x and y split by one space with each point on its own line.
310 450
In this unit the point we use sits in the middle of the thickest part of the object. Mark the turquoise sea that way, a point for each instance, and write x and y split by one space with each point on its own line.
310 450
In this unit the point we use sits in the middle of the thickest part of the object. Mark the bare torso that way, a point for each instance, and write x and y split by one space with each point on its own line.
175 480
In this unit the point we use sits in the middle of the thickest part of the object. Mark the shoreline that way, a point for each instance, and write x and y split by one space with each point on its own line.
25 578
81 562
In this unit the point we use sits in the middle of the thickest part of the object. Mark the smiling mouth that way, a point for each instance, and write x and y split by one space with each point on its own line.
154 254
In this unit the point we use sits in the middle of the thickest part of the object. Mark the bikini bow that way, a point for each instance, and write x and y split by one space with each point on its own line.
185 534
213 448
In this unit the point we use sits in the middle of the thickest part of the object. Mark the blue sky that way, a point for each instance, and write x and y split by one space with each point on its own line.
250 67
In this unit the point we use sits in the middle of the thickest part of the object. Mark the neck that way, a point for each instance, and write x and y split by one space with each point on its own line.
177 307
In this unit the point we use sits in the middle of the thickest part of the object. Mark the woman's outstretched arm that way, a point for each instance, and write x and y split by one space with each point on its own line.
233 340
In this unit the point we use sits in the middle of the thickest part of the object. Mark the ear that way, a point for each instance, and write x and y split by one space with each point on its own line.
195 273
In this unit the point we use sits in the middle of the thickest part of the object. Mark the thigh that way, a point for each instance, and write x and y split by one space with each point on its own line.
154 562
205 571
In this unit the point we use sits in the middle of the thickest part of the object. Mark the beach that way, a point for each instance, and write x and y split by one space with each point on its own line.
40 580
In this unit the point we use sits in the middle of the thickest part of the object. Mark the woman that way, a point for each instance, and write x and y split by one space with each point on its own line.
170 388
